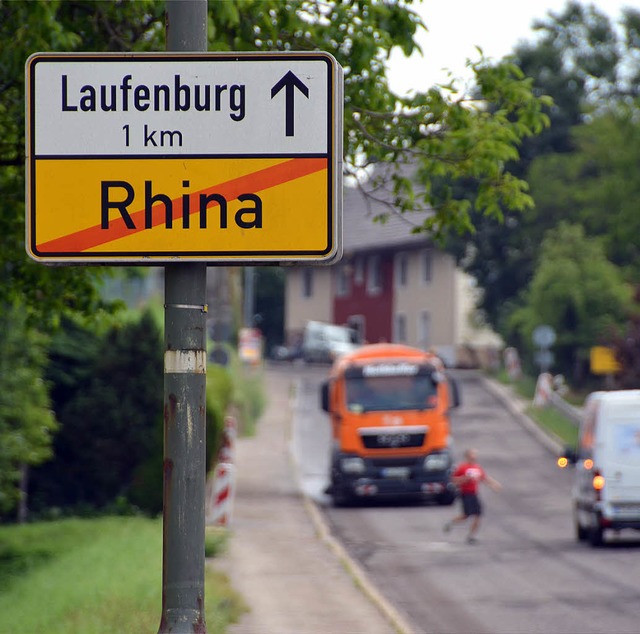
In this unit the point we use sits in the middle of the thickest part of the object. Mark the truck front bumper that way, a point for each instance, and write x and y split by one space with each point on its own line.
392 477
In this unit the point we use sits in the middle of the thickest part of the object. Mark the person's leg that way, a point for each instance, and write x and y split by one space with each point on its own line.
464 515
475 511
475 524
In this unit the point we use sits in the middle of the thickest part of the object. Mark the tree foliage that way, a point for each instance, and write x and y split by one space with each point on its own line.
577 292
578 58
448 136
107 395
26 420
108 401
597 184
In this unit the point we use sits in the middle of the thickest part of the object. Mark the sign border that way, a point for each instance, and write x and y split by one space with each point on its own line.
328 255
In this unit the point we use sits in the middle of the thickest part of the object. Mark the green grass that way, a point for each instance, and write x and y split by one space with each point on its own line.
548 418
95 576
555 423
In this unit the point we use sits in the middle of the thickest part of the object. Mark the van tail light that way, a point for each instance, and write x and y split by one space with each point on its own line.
598 484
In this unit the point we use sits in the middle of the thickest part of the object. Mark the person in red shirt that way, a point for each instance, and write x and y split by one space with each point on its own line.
467 477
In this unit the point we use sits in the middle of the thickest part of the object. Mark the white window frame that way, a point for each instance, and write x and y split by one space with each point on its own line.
358 271
343 280
374 274
402 269
424 329
426 264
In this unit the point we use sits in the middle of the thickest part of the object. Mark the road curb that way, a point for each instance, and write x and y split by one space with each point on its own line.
359 576
355 571
516 407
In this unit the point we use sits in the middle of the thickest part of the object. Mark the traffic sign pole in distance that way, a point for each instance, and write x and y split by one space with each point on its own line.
160 157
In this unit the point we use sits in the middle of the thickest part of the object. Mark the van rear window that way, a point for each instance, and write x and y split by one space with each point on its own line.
626 440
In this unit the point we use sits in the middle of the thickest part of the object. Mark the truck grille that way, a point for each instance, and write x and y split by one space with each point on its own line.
393 438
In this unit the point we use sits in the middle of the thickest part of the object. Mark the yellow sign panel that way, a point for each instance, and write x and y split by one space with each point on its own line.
603 361
198 207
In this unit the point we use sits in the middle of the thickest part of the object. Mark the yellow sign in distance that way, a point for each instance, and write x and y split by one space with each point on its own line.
603 361
192 206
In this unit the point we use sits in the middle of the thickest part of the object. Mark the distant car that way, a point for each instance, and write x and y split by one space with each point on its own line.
287 353
606 491
324 343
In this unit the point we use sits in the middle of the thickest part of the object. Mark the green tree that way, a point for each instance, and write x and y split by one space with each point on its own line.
27 423
25 28
110 412
449 136
577 292
577 58
598 184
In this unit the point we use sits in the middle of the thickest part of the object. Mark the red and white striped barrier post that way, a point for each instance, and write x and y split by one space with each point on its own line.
222 489
512 364
544 387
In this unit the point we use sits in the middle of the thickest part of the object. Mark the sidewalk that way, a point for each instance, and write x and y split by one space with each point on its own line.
280 558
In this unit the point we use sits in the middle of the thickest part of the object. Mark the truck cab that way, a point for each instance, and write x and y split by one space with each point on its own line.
389 410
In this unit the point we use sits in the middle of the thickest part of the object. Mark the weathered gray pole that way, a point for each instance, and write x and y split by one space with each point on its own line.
184 399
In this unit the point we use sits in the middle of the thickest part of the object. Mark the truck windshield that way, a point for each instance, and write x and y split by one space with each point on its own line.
388 393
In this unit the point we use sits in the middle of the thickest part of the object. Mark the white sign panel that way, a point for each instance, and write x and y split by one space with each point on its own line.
199 105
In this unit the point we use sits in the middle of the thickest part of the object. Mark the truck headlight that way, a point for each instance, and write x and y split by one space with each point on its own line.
436 462
352 464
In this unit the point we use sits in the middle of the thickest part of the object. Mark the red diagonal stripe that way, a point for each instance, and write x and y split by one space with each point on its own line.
254 182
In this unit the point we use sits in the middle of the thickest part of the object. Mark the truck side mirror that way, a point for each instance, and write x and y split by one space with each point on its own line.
454 393
324 396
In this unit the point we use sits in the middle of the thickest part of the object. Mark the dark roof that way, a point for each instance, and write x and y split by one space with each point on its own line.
361 204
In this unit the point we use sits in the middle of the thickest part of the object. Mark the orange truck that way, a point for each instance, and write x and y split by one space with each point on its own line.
389 409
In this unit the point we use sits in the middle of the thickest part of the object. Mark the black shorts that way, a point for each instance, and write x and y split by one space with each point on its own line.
471 504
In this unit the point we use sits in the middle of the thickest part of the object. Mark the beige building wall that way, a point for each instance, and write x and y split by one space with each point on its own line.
478 344
300 308
429 305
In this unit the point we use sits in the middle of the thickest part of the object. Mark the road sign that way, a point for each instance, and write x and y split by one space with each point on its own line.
162 157
603 360
544 336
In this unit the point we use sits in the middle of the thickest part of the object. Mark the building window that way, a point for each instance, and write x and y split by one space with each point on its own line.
307 282
358 271
402 269
342 281
401 328
427 266
374 275
424 330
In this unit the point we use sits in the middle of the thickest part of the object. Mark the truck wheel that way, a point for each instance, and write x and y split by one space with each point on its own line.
340 498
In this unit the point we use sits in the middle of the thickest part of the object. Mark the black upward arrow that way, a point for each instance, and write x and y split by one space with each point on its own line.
289 82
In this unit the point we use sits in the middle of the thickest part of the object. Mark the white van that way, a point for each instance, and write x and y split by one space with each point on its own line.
606 491
326 342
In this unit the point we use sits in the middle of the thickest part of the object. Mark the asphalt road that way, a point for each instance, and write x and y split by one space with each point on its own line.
527 574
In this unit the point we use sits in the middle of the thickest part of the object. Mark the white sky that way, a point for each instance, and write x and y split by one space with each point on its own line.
457 27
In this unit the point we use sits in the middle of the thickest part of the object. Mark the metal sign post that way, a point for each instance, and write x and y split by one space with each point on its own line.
185 367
